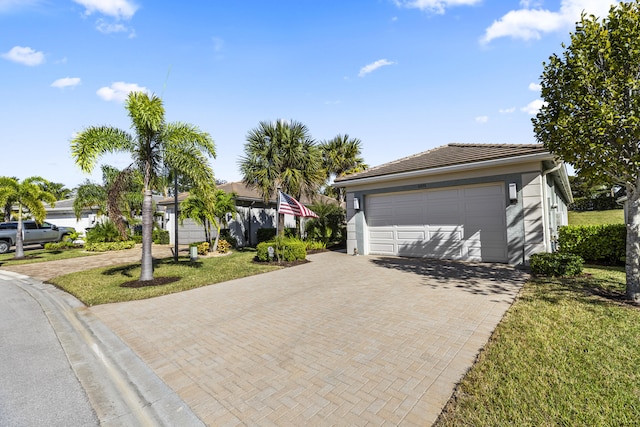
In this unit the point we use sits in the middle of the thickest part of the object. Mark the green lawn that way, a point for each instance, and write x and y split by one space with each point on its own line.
103 285
614 216
42 255
566 353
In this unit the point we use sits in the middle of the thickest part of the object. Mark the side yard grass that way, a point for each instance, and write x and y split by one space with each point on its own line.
104 285
614 216
42 255
566 353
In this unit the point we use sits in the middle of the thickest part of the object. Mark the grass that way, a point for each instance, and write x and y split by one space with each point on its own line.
614 216
42 255
566 353
103 285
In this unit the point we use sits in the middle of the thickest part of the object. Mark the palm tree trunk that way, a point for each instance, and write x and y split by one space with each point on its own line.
146 272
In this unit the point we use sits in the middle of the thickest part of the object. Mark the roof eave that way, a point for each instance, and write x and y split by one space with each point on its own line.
444 169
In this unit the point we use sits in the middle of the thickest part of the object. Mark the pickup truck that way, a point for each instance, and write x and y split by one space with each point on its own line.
34 233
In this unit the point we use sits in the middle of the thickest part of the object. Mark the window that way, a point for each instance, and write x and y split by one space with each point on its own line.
30 226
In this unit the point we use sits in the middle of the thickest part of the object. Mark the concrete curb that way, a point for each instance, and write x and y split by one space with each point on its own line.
122 389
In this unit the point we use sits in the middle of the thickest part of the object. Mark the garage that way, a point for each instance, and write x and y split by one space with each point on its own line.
464 222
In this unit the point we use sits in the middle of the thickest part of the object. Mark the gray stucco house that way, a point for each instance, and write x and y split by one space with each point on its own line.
471 202
252 213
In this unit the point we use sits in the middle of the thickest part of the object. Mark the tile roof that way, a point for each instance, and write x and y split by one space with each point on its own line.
249 194
448 155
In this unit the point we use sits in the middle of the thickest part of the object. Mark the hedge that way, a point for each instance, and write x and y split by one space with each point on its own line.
109 246
594 243
556 264
286 249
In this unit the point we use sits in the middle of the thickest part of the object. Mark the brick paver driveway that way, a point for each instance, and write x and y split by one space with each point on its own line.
341 340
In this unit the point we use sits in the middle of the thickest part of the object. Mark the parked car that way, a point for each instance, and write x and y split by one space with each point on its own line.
33 233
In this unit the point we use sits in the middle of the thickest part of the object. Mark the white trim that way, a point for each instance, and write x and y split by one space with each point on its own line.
444 169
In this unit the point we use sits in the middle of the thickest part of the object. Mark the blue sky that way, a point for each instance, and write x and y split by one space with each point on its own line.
403 76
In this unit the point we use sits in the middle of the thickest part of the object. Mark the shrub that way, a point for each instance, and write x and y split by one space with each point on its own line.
600 243
226 235
556 264
286 249
223 246
268 234
203 247
109 246
160 237
314 245
103 232
65 244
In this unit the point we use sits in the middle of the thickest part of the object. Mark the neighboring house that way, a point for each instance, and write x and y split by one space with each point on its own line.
63 215
472 202
252 213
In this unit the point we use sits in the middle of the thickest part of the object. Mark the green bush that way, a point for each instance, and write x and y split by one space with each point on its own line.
556 264
103 232
109 246
594 243
226 235
314 245
160 237
65 244
268 234
286 249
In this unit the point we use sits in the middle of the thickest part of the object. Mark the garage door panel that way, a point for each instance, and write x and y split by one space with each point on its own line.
453 223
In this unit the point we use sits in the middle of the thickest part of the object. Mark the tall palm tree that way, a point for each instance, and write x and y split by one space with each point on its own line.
342 156
57 189
155 146
282 155
26 195
223 203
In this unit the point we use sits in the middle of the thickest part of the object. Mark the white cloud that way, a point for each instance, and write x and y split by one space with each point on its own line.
482 119
531 22
119 9
118 91
533 107
66 82
507 110
535 87
108 28
24 55
435 6
374 66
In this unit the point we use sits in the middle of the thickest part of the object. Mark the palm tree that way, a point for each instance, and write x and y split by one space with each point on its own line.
341 156
223 203
198 206
282 155
27 195
57 189
155 147
208 208
119 196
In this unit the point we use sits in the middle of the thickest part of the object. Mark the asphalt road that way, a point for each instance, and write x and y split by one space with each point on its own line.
37 385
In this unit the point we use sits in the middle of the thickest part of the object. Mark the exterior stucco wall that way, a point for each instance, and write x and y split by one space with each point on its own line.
524 216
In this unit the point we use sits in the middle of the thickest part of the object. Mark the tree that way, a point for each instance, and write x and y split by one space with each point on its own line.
26 195
120 196
282 155
198 206
155 146
57 189
591 116
328 225
341 156
223 203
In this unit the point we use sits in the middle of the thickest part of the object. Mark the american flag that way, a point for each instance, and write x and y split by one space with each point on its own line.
289 205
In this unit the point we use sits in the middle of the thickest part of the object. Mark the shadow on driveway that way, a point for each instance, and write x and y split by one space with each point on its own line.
477 278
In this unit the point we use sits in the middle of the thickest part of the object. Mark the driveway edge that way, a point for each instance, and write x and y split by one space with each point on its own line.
122 389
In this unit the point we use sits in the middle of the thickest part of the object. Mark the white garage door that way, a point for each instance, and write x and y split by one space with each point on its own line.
466 223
